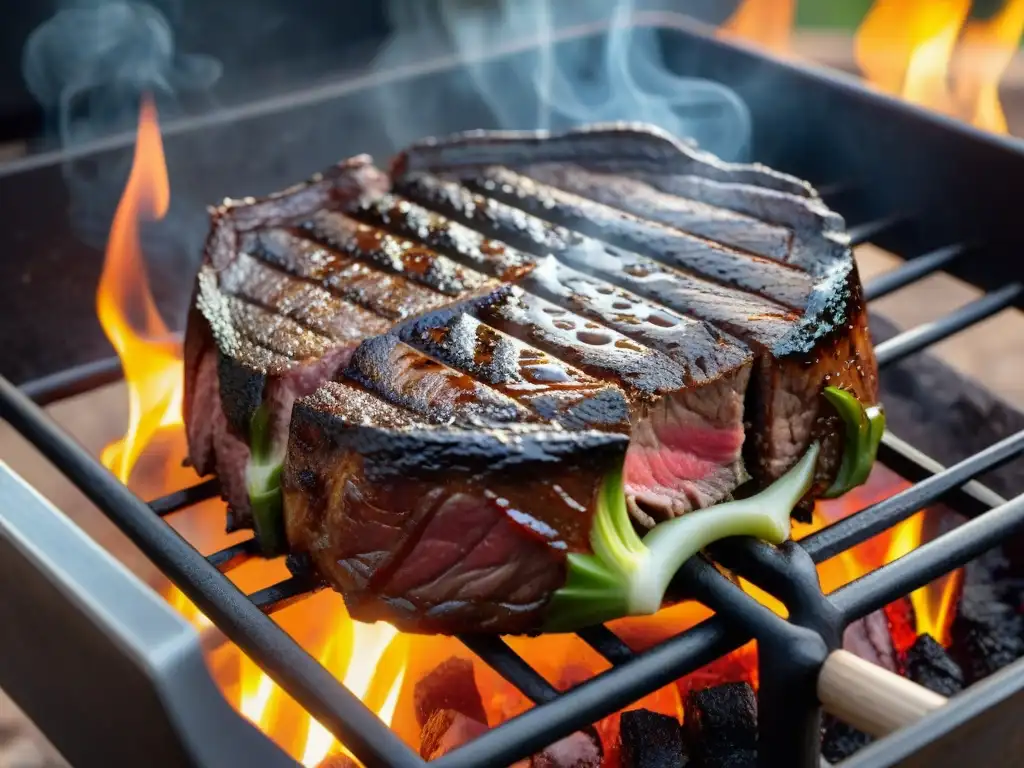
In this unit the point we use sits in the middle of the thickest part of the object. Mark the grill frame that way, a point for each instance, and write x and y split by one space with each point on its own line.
790 652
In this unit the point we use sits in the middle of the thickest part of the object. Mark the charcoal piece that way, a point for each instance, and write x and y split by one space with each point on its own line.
927 663
337 761
447 730
720 726
840 740
986 635
651 740
577 750
450 685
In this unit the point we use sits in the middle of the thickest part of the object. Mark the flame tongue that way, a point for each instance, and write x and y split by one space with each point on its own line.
150 357
930 53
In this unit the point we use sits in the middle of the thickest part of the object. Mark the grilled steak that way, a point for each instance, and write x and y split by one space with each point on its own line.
471 344
439 528
793 303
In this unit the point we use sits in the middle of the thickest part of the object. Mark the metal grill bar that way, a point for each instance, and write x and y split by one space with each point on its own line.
186 497
305 679
915 340
511 666
606 643
927 562
233 556
73 381
844 534
279 596
912 270
862 233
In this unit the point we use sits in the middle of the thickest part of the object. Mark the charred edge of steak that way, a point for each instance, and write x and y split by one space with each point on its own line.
239 353
631 145
438 529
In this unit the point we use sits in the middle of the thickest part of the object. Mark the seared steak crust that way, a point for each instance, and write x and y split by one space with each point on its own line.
438 529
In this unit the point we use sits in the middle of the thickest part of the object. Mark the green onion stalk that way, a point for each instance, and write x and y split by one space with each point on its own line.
863 432
263 482
627 575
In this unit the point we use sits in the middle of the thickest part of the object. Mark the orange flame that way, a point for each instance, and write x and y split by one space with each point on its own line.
928 52
986 50
934 604
150 357
767 22
152 362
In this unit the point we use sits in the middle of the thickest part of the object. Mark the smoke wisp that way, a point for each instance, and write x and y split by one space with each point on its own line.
552 83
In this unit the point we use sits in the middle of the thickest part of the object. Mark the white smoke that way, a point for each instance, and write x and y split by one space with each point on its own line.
553 82
89 63
88 66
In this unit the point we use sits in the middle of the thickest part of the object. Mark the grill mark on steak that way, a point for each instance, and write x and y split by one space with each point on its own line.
388 295
756 274
555 391
398 255
404 376
482 550
465 245
721 225
818 233
309 305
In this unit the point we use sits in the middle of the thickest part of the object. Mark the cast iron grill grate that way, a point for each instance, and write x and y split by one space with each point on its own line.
790 652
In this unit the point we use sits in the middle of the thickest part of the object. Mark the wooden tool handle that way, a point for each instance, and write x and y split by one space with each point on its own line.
870 698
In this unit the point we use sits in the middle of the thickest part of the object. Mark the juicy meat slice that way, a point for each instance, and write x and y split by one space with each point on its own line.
686 452
438 529
275 314
798 350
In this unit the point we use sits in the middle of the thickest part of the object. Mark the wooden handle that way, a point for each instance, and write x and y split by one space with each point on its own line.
870 698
